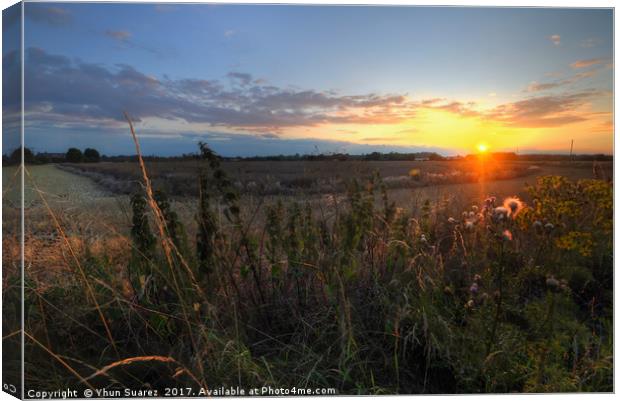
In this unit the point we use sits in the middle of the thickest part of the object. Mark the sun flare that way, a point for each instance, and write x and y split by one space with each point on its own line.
482 147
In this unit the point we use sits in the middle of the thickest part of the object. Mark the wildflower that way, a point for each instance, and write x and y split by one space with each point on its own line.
514 205
451 220
490 202
507 235
469 225
499 213
465 214
549 227
447 290
470 304
477 278
538 225
471 215
414 172
484 297
552 283
423 239
474 288
474 208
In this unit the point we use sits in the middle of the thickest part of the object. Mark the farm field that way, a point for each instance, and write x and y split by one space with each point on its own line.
316 177
352 271
103 188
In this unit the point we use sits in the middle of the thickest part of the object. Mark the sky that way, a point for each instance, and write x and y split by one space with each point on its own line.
261 80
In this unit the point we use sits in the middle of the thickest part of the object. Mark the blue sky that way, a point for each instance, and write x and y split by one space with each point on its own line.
256 79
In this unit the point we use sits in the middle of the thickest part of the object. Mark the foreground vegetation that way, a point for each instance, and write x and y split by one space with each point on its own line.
359 295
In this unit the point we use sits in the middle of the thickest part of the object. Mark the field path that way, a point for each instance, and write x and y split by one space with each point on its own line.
58 186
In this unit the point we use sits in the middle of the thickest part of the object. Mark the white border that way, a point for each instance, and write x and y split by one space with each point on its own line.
478 3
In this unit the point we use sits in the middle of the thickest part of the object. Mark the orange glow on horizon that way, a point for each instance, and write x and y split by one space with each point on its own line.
464 134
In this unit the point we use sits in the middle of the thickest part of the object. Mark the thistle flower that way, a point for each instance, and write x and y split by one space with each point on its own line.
507 235
470 304
490 202
451 220
469 225
465 214
549 227
552 283
474 208
514 205
538 225
477 278
500 213
474 288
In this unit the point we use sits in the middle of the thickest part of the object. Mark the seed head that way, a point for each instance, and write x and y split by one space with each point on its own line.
552 283
514 205
500 213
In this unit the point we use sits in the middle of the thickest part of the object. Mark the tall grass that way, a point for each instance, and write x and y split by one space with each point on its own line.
359 295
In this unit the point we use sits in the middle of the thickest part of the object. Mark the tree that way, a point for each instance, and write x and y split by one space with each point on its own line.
91 155
74 155
16 156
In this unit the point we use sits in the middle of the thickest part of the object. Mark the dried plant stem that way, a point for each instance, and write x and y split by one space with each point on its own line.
166 241
59 359
149 358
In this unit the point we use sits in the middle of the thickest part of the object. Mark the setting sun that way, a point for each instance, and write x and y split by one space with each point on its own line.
482 147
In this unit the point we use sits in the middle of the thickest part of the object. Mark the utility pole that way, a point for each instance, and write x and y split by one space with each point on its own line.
572 141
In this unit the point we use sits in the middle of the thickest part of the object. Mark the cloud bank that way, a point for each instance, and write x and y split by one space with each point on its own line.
64 93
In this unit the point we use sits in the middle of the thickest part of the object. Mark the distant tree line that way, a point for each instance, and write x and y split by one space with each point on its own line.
90 155
73 155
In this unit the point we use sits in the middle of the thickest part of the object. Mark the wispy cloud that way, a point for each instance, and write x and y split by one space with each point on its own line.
240 77
596 64
124 39
538 87
230 33
588 63
590 42
543 111
122 36
555 39
382 139
48 15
